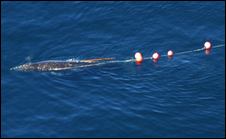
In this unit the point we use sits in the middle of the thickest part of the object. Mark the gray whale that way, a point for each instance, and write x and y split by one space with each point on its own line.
56 65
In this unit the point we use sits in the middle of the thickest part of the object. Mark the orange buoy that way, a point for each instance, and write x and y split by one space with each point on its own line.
138 57
156 56
170 53
207 45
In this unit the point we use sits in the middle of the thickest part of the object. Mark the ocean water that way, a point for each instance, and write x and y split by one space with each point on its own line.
179 97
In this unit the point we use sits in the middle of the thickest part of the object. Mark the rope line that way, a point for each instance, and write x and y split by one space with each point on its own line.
148 58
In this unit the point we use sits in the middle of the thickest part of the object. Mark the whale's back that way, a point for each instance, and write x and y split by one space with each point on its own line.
46 66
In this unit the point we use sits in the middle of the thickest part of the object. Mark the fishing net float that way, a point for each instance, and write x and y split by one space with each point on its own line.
207 47
57 65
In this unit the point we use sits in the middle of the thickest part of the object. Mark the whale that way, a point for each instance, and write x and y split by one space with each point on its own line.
56 65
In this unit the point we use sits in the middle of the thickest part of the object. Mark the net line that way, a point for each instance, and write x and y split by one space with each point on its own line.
148 58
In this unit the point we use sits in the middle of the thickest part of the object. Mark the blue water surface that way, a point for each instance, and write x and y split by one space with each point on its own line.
181 97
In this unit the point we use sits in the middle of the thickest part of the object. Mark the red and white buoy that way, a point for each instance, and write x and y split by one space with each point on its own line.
156 56
170 53
207 45
138 57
